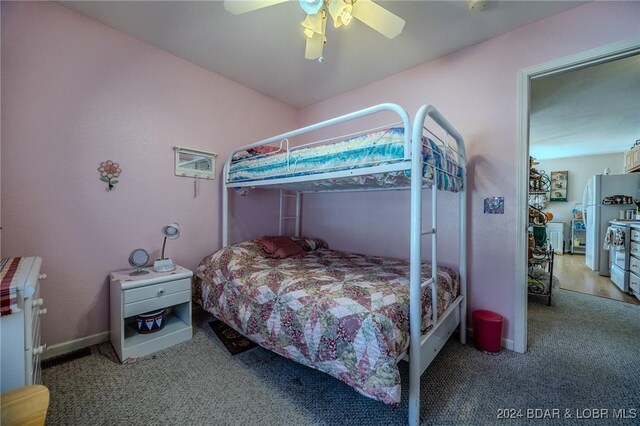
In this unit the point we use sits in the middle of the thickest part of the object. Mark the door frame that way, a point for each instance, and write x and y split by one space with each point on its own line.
589 57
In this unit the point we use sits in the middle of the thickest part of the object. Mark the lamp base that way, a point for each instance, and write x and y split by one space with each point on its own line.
164 265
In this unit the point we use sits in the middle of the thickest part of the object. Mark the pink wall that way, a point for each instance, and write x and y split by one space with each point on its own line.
76 93
476 89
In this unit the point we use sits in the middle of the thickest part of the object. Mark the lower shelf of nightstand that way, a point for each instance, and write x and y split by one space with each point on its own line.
138 344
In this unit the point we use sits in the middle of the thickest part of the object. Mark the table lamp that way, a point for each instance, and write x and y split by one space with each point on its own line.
172 232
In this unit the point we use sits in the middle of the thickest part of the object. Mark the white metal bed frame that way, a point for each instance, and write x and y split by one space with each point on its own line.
423 348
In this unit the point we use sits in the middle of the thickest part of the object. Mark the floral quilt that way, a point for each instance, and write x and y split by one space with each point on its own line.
342 313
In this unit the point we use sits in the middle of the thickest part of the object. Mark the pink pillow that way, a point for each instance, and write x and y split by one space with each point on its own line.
279 247
263 150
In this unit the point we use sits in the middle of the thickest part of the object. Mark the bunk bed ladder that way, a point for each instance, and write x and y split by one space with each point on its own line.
225 206
283 217
416 285
416 233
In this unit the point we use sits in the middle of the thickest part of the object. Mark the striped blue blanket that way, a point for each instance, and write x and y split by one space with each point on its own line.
376 148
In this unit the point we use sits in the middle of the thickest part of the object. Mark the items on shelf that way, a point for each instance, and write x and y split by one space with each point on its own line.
541 254
537 217
538 180
618 199
577 211
578 236
540 274
539 184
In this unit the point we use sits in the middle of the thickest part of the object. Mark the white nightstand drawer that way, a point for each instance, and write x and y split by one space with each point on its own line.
635 249
143 306
156 290
635 235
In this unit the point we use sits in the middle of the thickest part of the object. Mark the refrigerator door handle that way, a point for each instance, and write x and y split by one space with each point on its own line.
584 204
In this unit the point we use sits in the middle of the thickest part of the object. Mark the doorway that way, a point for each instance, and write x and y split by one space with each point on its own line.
526 77
582 123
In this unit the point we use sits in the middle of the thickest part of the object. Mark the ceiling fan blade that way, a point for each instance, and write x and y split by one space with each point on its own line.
314 31
315 46
237 7
378 18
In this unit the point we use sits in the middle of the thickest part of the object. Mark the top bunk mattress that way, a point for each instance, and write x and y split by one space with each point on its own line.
373 149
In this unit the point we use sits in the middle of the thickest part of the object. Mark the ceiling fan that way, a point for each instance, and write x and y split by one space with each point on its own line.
341 11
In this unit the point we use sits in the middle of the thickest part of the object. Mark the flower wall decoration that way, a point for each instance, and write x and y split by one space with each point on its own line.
108 172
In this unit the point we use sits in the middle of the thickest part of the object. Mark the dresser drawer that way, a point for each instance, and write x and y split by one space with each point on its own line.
634 284
37 310
635 234
635 249
634 265
156 290
36 332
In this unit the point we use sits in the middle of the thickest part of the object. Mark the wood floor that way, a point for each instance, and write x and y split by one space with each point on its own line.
574 275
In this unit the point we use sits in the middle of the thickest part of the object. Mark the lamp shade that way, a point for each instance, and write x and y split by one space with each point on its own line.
171 231
311 6
340 12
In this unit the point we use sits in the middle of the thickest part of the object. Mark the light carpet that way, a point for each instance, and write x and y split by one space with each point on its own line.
583 355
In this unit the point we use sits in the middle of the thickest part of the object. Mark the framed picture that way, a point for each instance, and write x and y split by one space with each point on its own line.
559 184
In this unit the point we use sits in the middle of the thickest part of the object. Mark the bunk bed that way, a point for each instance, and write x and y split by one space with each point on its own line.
404 315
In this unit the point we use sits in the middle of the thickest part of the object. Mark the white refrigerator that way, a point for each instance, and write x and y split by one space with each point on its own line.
597 215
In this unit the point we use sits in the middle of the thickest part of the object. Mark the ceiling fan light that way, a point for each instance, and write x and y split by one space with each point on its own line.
312 24
311 7
340 12
346 16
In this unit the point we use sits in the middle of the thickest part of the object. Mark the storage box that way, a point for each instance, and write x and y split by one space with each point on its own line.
151 321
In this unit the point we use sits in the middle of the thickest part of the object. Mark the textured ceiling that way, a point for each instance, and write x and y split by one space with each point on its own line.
589 111
264 49
593 110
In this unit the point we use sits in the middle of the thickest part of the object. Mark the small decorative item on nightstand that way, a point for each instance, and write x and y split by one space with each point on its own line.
151 322
162 300
172 232
138 258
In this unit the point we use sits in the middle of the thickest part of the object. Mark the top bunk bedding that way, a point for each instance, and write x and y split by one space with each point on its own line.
378 148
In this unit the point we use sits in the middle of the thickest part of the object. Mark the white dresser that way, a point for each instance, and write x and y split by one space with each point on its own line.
20 347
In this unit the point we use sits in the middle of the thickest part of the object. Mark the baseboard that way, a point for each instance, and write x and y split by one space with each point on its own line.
506 343
74 345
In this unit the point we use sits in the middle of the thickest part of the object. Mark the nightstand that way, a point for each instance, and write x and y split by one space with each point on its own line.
132 295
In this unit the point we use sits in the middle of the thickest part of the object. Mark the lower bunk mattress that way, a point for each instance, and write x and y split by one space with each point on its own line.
371 149
341 313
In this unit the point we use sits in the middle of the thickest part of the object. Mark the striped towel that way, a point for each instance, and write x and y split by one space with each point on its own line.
8 288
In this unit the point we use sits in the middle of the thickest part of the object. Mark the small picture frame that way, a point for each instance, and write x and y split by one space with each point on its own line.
494 205
559 186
